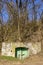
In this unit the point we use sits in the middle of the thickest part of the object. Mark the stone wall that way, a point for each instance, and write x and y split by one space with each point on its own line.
8 49
34 47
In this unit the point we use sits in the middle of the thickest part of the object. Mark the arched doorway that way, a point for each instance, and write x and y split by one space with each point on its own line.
21 52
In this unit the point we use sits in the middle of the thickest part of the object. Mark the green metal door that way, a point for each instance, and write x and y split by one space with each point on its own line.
22 52
19 54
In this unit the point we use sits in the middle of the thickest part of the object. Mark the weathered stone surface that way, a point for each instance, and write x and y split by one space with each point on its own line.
34 47
8 49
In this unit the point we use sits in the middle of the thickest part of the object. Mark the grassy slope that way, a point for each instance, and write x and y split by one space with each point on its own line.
32 60
7 58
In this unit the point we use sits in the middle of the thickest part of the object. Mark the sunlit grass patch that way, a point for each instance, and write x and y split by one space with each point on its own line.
8 58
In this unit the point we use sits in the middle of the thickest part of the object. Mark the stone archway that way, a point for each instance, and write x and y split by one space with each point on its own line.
21 52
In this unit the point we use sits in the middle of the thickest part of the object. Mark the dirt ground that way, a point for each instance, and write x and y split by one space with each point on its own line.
33 60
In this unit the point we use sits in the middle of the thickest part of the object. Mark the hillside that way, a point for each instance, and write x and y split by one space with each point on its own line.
33 60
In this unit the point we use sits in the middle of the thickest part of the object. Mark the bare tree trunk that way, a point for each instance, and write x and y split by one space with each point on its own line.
18 19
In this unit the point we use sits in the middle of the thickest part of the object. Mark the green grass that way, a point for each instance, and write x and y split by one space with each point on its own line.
8 58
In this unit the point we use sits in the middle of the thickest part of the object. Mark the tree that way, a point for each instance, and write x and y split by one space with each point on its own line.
42 31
